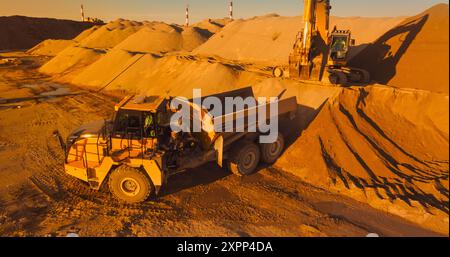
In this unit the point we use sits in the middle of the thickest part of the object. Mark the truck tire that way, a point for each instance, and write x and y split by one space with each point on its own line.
277 72
130 185
271 152
244 159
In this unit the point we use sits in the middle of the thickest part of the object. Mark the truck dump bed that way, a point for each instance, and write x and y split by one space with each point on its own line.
248 116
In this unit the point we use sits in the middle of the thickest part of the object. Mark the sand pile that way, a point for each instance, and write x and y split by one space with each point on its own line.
174 75
161 38
114 48
111 34
90 48
51 47
270 38
18 32
414 54
155 38
139 59
193 37
395 157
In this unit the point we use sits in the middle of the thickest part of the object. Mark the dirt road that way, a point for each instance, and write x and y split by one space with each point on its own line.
38 199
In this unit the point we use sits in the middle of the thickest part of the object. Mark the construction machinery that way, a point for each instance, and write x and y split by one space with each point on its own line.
137 150
321 55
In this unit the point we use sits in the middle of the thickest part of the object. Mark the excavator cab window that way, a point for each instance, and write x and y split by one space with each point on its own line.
339 47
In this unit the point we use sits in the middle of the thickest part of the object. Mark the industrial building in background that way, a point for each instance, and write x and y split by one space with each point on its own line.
89 19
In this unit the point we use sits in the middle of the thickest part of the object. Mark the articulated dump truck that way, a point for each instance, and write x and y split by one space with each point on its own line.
137 151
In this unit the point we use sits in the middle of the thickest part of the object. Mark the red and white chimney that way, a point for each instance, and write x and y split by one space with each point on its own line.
187 16
82 13
231 10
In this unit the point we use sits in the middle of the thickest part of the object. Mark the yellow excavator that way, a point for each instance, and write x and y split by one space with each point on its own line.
321 55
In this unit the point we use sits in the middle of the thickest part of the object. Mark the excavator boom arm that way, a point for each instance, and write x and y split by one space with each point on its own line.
310 50
319 55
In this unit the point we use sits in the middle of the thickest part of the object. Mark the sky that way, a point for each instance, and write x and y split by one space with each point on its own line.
173 10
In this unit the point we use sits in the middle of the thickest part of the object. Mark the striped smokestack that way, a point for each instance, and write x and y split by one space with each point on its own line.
82 13
231 10
187 16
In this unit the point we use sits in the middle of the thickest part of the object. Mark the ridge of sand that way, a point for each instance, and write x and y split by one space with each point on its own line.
174 74
270 38
161 38
414 54
212 25
19 32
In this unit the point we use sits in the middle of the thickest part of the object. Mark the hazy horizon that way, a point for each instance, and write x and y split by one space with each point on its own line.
173 10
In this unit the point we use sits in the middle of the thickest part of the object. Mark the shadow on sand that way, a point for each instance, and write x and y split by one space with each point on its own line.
380 58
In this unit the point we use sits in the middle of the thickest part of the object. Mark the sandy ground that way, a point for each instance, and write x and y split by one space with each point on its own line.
38 199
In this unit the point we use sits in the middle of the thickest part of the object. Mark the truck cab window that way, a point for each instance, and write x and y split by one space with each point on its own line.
149 125
128 123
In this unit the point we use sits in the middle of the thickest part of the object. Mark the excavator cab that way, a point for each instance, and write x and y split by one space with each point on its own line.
319 55
340 42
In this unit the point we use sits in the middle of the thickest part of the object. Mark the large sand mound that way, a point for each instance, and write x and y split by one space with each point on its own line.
213 26
18 32
160 38
395 157
414 54
111 34
173 74
91 47
114 48
270 38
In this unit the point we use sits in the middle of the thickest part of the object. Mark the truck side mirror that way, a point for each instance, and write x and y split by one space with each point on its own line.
63 145
352 42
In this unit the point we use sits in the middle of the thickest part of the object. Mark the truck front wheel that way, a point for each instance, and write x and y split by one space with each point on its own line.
244 159
130 185
271 152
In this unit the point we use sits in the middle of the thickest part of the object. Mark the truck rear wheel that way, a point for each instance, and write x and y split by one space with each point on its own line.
244 159
271 152
130 185
277 72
